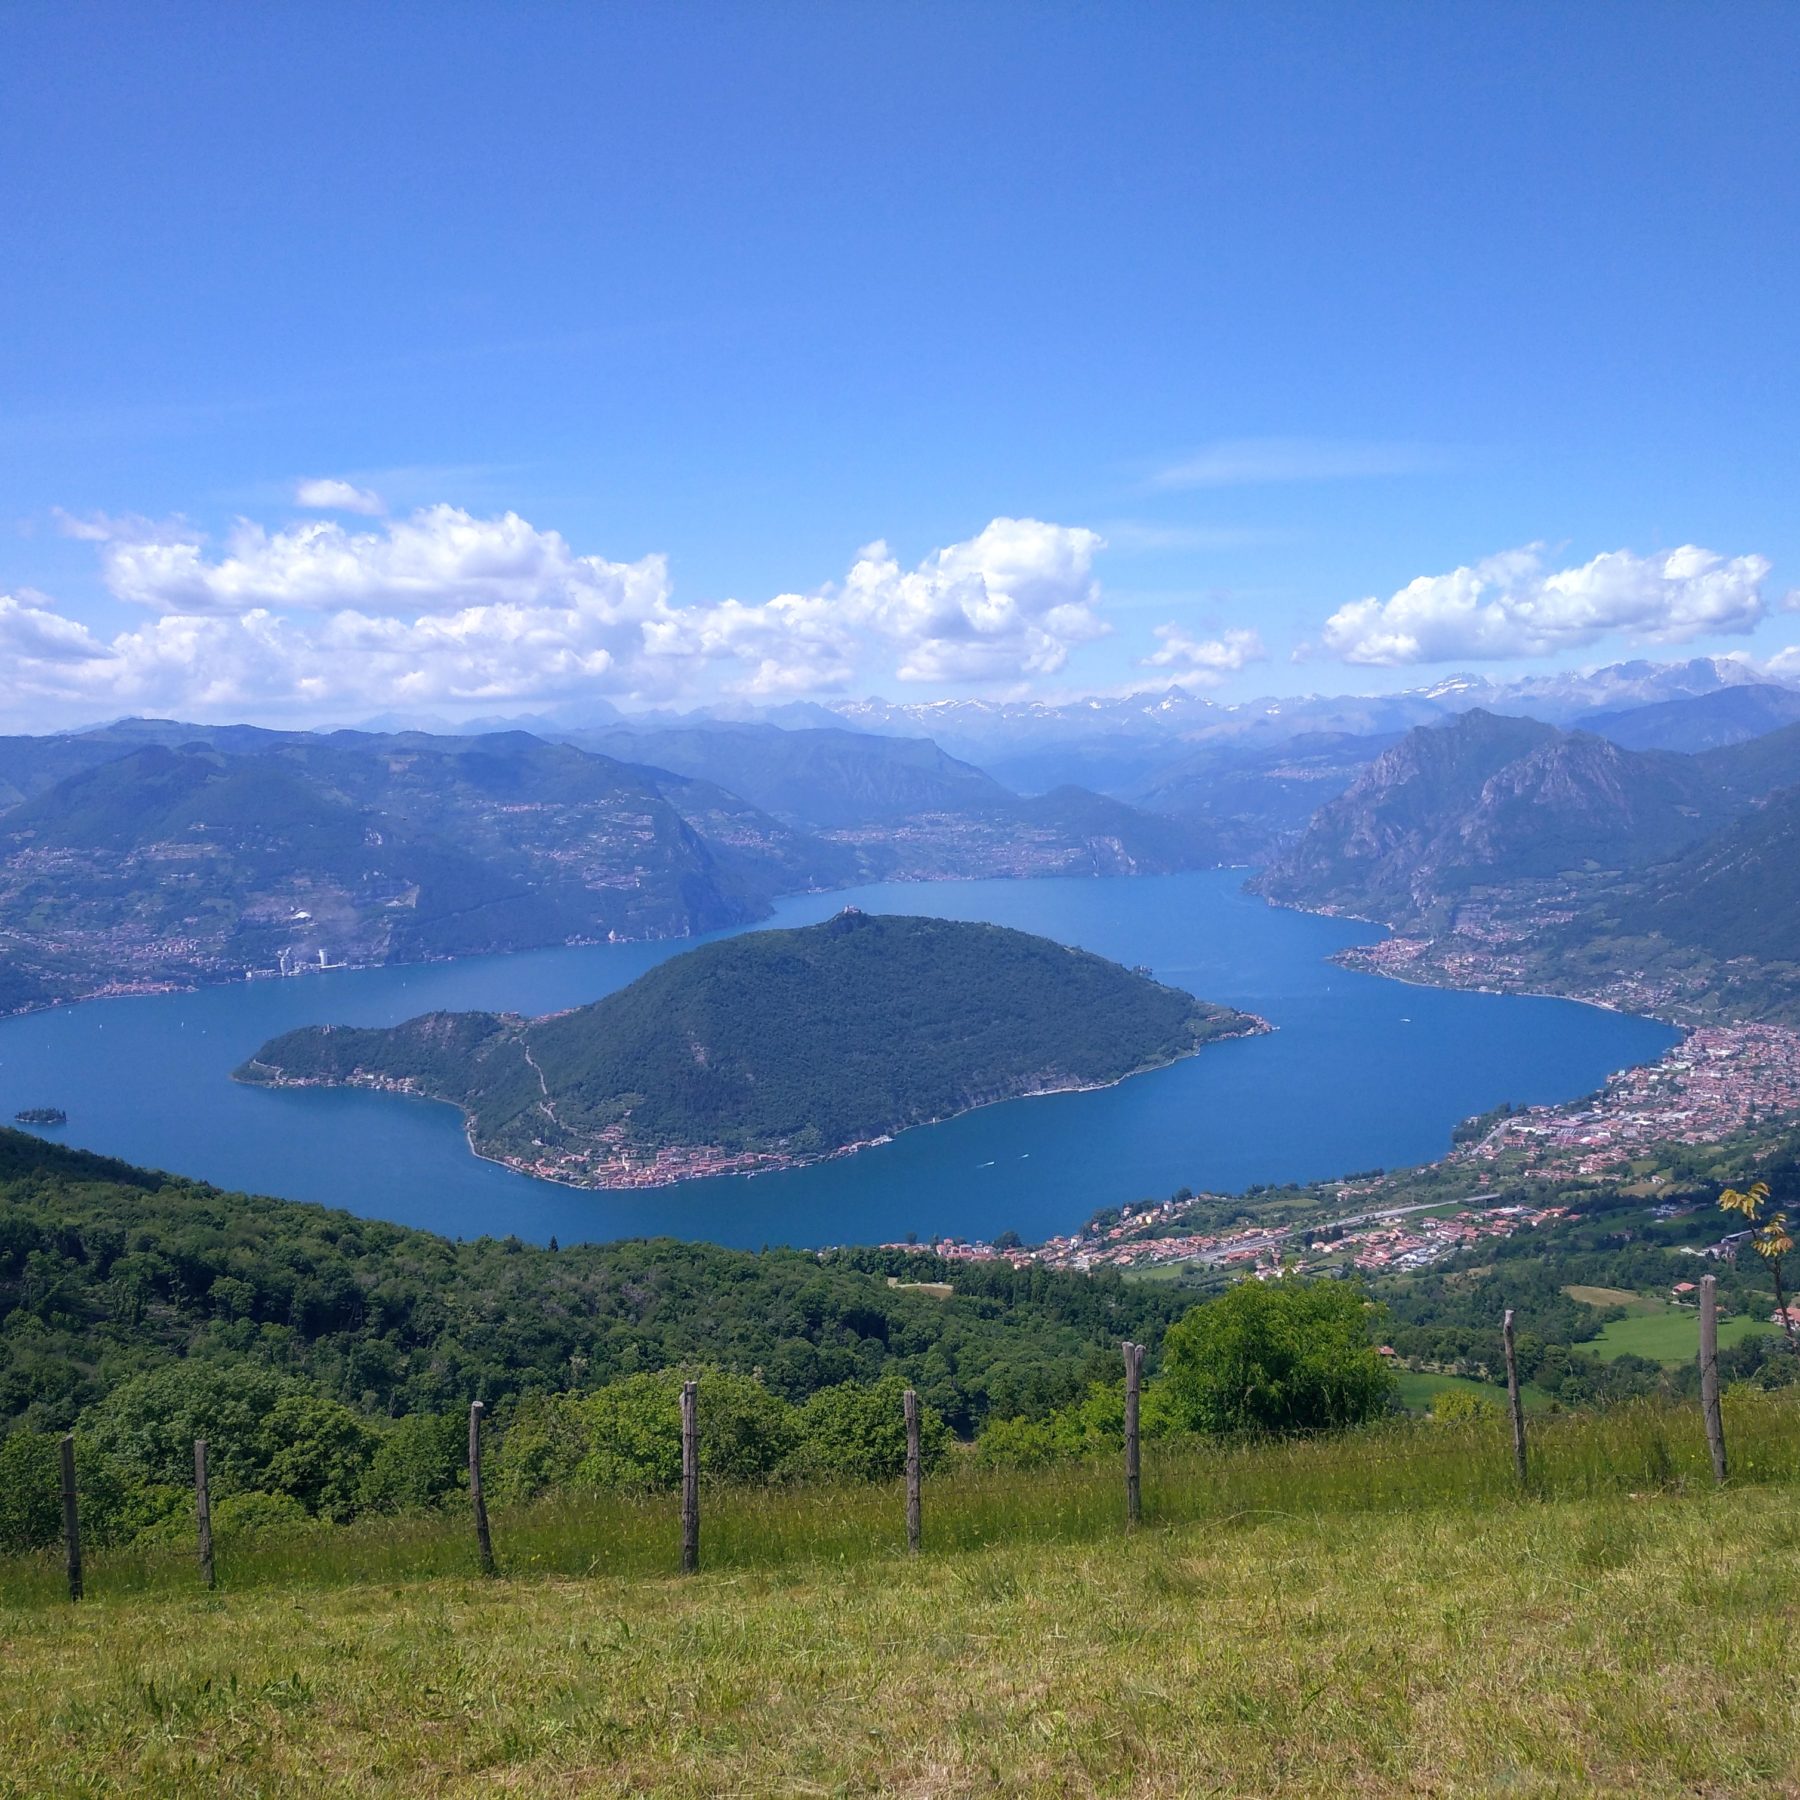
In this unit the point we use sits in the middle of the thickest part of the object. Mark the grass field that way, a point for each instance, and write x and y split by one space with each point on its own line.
1629 1647
1372 1615
1656 1329
1604 1296
1669 1337
1417 1388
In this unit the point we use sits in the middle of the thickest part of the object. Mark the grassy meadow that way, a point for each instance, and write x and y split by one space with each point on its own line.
1417 1389
1658 1330
1379 1613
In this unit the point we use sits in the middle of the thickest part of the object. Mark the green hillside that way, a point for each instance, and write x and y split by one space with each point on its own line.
1737 894
781 1045
108 1272
172 862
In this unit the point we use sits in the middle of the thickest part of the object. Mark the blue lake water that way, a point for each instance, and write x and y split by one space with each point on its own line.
1361 1073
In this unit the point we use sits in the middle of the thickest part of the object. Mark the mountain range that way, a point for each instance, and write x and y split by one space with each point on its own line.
152 853
1514 854
1487 798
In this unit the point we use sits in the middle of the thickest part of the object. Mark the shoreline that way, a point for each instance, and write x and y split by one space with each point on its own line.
772 1162
1338 958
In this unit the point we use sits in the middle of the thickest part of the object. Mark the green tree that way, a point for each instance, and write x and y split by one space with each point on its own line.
115 1505
265 1433
318 1451
1275 1357
150 1422
419 1461
858 1429
632 1430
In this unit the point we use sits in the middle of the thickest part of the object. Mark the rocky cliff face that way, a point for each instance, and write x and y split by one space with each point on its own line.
1486 799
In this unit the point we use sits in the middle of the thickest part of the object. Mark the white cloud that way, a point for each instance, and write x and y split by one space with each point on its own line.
107 528
1209 660
446 607
439 560
1510 605
1011 601
325 493
1244 462
32 631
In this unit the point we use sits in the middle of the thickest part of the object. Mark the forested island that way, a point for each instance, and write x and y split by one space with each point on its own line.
771 1050
41 1115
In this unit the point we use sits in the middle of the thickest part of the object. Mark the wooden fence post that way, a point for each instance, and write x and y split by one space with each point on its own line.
484 1544
690 1477
203 1512
71 1518
1513 1400
1134 1500
911 1402
1709 1373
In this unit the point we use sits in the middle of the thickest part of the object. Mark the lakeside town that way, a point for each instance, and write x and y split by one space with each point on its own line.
1718 1081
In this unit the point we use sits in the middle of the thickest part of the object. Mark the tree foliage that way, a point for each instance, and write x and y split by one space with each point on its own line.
1275 1357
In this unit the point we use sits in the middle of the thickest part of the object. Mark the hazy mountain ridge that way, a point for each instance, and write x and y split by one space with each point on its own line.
813 777
170 865
1488 799
152 853
1731 715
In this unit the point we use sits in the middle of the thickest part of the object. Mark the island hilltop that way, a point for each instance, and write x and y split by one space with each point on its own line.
771 1050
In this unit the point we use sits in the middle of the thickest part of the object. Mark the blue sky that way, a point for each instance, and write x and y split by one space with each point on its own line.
1241 316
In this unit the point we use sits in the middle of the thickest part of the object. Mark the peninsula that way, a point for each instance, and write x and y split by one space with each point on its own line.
772 1049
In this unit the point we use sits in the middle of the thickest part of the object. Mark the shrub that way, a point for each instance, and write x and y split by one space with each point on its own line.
261 1515
540 1446
1094 1425
1274 1357
1458 1404
858 1429
419 1461
265 1433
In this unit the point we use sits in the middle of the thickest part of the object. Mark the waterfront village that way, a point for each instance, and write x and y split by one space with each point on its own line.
1716 1082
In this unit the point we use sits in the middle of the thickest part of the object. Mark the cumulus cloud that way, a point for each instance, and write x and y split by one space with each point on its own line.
441 559
32 631
324 493
446 607
1009 602
1512 605
1207 660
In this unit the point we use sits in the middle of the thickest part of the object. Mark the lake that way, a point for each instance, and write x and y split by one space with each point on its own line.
1361 1073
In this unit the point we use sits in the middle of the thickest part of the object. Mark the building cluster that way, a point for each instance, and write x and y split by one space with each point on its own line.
1718 1081
1398 1239
1393 1247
